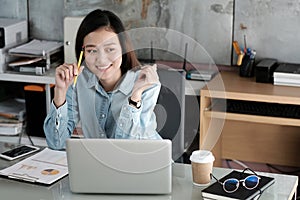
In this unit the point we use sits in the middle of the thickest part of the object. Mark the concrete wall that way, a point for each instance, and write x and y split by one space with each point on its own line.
13 9
271 26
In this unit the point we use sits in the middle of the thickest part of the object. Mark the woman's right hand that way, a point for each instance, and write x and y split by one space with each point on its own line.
64 77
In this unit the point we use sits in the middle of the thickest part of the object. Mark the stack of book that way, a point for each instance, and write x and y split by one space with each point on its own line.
12 116
287 74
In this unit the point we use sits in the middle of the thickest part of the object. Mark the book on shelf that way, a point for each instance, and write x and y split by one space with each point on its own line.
216 191
45 167
13 109
11 128
12 116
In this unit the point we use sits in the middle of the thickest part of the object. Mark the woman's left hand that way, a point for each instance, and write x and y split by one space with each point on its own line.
148 76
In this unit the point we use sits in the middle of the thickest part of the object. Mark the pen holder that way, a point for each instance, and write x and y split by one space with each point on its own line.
247 67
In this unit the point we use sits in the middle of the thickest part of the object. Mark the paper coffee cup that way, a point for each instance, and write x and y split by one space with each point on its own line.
202 164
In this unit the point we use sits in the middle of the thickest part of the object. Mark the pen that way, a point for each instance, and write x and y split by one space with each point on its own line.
78 65
245 44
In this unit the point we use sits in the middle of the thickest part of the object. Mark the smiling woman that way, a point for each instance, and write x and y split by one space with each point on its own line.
103 56
114 96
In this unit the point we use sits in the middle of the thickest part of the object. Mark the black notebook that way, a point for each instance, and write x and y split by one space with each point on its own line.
215 191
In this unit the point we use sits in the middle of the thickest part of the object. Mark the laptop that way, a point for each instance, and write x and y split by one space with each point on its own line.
120 166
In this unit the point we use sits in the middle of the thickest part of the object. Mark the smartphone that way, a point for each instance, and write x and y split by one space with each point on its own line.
18 152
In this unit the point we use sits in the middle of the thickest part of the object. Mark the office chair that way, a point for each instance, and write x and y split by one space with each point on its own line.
170 109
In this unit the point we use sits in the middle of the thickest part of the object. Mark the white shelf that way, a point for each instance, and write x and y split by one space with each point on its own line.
192 87
48 78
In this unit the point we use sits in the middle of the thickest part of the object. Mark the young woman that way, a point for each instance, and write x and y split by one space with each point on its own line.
113 97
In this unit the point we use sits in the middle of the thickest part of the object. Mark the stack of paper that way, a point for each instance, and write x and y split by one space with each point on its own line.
287 74
37 48
10 128
12 116
36 56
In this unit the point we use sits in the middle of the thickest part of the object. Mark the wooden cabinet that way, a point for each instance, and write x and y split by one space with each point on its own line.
246 137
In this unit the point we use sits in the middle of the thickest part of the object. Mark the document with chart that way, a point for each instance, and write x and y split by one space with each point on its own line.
45 167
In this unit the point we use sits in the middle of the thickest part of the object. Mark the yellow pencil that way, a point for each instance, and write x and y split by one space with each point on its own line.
78 65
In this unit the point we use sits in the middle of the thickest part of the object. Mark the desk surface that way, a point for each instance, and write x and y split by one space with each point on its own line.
182 187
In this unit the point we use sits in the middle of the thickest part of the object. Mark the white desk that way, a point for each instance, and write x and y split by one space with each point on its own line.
182 188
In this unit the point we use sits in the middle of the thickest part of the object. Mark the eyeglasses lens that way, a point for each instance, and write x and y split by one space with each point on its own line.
231 185
251 182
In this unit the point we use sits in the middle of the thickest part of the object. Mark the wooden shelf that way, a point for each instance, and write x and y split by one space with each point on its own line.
253 118
246 137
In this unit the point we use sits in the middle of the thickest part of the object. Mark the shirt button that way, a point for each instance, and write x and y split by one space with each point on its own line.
59 115
103 116
121 124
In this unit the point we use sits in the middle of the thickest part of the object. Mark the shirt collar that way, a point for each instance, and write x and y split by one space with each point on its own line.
92 79
125 84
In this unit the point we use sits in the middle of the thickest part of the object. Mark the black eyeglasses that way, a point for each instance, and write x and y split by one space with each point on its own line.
232 184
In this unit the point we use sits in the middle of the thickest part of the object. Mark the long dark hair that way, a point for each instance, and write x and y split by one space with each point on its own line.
103 18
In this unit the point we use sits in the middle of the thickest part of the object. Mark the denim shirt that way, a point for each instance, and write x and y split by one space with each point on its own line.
102 114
